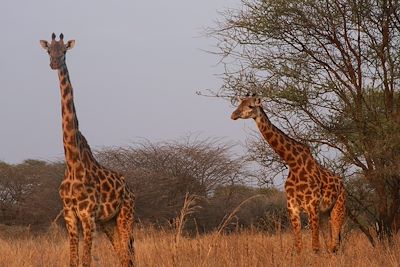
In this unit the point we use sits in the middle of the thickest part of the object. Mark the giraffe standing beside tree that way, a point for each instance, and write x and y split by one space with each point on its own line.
309 186
91 194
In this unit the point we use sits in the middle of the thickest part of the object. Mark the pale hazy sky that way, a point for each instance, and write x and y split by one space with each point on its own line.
135 68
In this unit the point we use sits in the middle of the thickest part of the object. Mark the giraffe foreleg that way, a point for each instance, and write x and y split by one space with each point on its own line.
88 226
314 221
71 222
294 214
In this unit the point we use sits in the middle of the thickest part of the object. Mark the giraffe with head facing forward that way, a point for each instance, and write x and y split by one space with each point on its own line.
309 186
92 195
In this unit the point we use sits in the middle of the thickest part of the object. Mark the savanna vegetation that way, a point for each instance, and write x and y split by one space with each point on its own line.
194 207
161 248
328 72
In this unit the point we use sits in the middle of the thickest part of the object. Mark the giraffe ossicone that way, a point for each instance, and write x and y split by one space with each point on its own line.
92 195
309 186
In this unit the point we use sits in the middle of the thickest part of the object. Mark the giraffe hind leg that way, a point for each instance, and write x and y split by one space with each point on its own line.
111 232
324 225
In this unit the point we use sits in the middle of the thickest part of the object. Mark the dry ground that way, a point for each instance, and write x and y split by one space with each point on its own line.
159 248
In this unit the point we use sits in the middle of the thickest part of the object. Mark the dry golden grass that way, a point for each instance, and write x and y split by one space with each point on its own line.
159 248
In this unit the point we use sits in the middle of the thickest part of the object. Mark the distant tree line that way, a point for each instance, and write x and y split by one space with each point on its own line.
29 192
161 175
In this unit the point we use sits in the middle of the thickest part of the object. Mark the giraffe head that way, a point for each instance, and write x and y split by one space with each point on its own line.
248 108
57 50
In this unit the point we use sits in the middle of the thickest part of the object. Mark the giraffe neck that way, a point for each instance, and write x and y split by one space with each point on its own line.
77 150
71 134
288 149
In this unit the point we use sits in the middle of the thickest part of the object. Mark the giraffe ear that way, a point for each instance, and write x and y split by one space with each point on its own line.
70 44
257 102
44 44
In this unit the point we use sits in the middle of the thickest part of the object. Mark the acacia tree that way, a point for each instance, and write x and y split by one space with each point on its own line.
329 73
162 173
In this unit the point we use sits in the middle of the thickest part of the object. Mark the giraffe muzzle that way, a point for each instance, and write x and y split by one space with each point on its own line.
55 64
235 115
